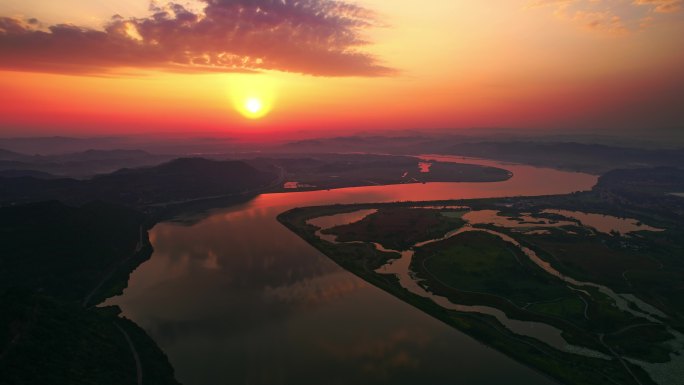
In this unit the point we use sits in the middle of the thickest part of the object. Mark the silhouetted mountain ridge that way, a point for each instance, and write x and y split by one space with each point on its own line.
30 173
171 182
79 164
13 156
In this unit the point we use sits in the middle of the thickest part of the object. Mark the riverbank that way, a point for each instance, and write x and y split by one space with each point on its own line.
57 262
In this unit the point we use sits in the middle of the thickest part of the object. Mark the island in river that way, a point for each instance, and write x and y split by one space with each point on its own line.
584 287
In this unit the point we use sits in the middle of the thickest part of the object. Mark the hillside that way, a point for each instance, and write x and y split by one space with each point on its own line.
57 261
62 250
80 164
176 181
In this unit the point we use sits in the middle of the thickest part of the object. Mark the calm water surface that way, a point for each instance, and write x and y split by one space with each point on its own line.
238 299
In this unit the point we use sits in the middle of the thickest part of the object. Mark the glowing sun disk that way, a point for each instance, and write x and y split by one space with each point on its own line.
253 96
253 105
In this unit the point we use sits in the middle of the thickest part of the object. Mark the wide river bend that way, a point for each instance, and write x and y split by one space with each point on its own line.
236 298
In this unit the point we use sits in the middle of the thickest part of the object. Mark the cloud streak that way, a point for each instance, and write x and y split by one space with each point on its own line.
316 37
662 6
611 17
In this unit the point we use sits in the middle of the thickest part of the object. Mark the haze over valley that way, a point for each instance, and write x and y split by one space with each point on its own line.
333 192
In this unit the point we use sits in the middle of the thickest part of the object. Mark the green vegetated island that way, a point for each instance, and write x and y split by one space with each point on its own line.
69 244
587 288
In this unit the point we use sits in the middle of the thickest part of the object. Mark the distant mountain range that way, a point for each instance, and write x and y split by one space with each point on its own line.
545 152
78 164
31 173
11 155
591 158
180 180
88 155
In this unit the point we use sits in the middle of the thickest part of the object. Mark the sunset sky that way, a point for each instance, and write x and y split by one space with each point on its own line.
131 66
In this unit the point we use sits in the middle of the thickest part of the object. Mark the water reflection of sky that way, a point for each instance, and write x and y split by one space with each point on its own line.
238 298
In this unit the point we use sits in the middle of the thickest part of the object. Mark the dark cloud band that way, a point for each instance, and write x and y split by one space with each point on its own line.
317 37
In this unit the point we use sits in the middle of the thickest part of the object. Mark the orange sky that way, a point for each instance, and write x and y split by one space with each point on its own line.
433 64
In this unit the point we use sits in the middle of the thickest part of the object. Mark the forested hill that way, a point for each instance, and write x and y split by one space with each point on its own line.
179 180
57 262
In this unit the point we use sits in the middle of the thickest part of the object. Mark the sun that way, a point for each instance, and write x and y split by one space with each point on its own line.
253 105
252 96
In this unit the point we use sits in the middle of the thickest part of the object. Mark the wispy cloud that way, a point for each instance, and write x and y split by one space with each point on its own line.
317 37
662 6
612 17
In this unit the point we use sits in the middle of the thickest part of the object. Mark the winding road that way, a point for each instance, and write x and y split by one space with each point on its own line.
134 351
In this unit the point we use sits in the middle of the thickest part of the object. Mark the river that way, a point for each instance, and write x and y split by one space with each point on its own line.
236 298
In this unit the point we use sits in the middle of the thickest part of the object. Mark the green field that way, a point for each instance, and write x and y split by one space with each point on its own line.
398 228
483 263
